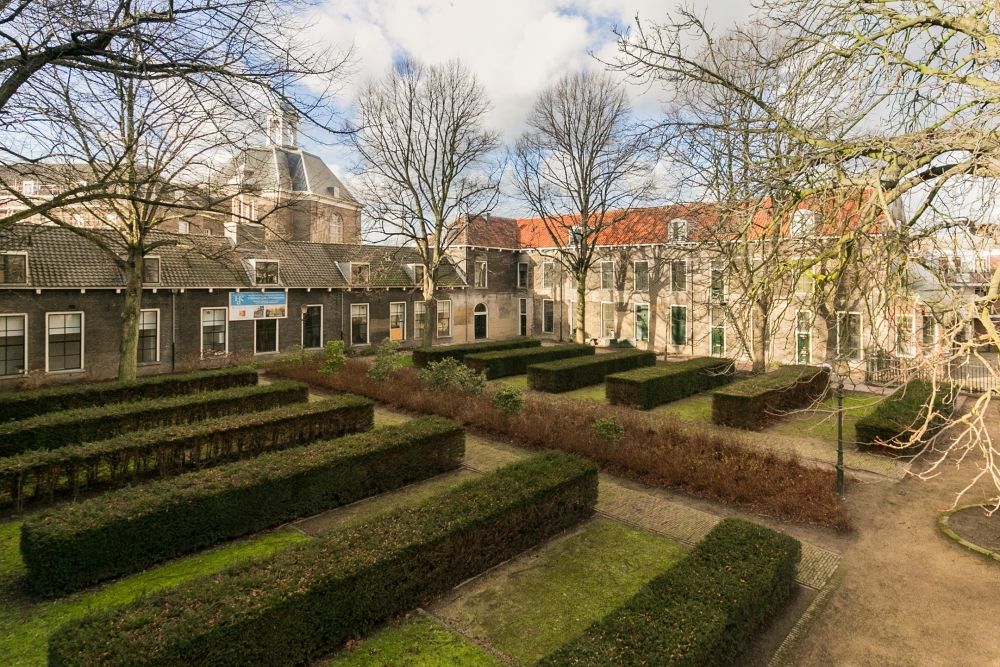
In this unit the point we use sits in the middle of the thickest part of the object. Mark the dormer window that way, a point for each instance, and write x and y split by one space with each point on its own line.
265 272
360 274
418 273
13 269
803 224
29 187
677 230
576 236
151 270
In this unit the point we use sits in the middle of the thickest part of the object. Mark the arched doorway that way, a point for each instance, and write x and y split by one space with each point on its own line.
481 321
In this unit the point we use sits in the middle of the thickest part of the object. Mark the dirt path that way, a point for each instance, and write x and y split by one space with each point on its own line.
908 595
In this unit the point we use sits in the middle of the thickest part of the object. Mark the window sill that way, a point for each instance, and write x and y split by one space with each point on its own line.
68 371
143 364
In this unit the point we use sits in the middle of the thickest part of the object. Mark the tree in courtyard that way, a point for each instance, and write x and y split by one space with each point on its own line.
581 167
426 162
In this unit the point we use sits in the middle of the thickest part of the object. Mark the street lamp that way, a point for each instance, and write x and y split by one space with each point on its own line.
841 368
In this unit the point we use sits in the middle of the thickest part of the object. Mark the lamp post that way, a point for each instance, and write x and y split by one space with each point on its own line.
841 369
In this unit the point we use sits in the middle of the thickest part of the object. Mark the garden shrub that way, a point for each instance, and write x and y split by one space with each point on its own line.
387 361
567 374
892 424
70 427
307 601
646 388
26 403
608 429
703 611
515 362
758 401
425 355
452 374
68 548
164 452
509 400
333 356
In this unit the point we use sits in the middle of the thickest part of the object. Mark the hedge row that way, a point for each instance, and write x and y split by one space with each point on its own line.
516 361
756 402
163 452
70 427
558 376
307 601
68 548
23 404
894 420
703 611
425 355
646 388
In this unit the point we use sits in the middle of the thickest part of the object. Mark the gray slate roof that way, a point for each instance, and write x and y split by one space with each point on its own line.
289 169
59 257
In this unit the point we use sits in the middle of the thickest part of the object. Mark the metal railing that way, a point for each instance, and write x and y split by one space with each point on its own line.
969 374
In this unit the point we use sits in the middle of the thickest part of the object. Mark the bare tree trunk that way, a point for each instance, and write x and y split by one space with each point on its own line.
129 348
430 312
581 309
760 339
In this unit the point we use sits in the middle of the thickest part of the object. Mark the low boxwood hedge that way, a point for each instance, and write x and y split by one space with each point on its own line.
516 361
307 601
758 401
567 374
424 355
646 388
69 427
164 452
67 548
703 611
22 404
894 420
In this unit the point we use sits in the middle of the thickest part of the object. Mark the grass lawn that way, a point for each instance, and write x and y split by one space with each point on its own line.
416 641
516 381
821 421
697 408
530 606
26 623
594 392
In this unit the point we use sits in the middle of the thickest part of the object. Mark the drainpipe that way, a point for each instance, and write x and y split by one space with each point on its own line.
173 330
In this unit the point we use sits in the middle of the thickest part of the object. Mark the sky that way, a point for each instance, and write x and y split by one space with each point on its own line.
515 47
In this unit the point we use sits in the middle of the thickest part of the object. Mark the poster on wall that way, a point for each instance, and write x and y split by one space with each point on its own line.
258 305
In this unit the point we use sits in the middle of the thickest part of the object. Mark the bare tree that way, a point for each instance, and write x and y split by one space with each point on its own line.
581 167
426 161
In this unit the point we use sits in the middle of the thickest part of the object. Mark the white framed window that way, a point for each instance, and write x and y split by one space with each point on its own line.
64 342
77 220
419 319
360 274
548 275
13 344
312 327
30 187
481 321
244 209
444 319
803 337
230 231
522 275
265 272
640 270
214 332
717 282
678 275
678 325
397 320
548 316
265 336
359 324
642 321
335 229
803 224
481 275
522 315
151 270
417 270
929 333
677 231
805 284
607 319
849 335
183 227
149 336
608 275
13 268
906 335
717 334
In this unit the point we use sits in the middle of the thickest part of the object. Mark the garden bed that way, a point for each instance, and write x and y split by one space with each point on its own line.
516 362
645 388
567 374
918 407
760 400
424 355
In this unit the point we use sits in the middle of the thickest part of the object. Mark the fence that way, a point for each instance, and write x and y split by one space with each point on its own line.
969 374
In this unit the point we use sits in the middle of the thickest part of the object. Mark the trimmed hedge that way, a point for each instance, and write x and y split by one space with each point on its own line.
70 427
164 452
516 362
758 401
559 376
68 548
894 420
424 355
22 404
308 600
703 611
646 388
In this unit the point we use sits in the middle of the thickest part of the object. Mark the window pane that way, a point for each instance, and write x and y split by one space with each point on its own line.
312 327
480 273
678 275
11 344
678 325
213 332
522 274
13 269
608 320
641 276
548 319
267 335
397 321
419 319
607 275
266 273
444 319
642 322
151 270
65 342
359 324
148 328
